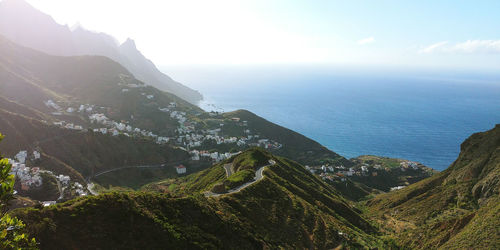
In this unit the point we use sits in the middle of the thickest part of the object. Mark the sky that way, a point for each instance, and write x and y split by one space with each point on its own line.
448 34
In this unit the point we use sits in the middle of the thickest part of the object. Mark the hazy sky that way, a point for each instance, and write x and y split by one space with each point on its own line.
415 33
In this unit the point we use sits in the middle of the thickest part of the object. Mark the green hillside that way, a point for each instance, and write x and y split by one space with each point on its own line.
288 208
457 208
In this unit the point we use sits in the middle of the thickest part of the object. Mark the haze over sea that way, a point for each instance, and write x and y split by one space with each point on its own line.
420 115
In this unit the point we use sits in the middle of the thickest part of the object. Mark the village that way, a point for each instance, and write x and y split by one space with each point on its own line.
187 137
342 174
32 178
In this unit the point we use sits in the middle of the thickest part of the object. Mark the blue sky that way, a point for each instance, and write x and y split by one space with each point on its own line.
447 34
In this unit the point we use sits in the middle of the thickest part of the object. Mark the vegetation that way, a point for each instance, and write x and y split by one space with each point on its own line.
12 234
239 178
49 190
354 191
457 208
134 178
251 159
289 208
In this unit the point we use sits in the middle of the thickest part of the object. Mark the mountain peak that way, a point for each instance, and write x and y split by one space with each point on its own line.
129 43
77 26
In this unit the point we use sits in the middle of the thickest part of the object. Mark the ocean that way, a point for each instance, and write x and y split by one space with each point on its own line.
417 115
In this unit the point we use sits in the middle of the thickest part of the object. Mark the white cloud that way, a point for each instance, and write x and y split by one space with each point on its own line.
433 47
467 47
367 40
478 46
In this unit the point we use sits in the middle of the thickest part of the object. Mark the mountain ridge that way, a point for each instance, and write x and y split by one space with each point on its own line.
17 19
449 208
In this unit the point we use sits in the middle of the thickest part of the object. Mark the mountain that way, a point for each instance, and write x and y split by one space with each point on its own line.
287 208
44 96
27 26
458 208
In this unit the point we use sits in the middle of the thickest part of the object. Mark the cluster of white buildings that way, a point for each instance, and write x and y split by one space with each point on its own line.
31 177
28 177
80 190
179 116
408 164
187 136
52 104
68 125
86 108
65 182
116 128
214 156
267 144
397 188
338 172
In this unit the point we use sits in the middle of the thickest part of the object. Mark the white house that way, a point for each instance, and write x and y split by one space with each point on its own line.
323 168
36 155
181 169
21 156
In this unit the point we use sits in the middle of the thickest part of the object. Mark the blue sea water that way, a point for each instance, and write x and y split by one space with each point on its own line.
417 115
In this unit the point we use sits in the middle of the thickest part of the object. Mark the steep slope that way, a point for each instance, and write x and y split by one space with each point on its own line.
288 208
29 27
457 208
30 79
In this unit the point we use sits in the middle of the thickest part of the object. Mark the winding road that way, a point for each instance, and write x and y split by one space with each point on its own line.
90 185
258 177
167 164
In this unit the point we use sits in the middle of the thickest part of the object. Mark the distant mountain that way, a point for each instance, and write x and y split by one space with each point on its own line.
458 208
27 26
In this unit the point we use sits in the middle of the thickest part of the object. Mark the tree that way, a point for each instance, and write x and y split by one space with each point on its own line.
11 228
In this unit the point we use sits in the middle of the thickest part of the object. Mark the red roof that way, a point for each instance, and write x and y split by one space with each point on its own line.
180 166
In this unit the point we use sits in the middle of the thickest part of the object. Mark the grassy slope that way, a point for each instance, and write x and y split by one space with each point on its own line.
289 208
452 207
